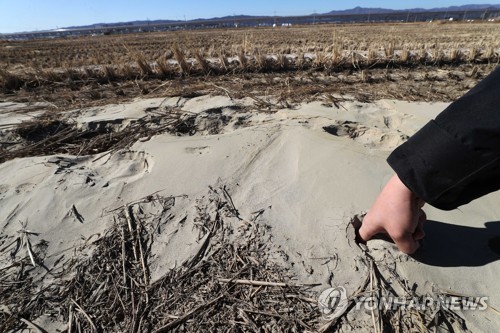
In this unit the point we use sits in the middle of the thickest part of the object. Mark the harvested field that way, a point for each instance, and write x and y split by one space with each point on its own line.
91 70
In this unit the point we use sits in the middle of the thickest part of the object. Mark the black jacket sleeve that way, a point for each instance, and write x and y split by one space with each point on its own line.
455 158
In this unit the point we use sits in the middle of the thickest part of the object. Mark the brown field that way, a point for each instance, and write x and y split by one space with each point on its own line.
456 42
420 60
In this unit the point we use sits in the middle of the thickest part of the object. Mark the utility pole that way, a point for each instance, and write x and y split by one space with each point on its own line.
484 14
408 17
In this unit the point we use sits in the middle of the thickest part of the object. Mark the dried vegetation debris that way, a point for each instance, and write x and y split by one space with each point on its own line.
109 288
353 58
329 63
55 133
445 83
84 61
231 284
411 312
384 283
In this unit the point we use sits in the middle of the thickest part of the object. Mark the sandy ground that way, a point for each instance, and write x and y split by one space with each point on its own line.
310 169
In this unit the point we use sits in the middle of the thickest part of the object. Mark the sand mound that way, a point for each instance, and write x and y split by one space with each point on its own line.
186 205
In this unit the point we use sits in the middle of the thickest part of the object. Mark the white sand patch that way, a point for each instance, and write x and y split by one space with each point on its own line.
12 114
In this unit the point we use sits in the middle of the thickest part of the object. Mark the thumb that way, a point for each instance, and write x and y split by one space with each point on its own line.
406 243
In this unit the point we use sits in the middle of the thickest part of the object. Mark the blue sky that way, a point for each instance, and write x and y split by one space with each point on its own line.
30 15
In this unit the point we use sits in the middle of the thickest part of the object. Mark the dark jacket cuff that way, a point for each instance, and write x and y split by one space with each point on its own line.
437 167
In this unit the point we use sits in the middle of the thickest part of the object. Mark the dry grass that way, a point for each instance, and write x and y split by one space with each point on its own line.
49 134
402 61
9 81
184 68
202 63
259 62
358 47
230 284
143 64
216 290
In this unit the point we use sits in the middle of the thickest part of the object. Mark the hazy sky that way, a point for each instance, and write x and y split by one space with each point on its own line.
30 15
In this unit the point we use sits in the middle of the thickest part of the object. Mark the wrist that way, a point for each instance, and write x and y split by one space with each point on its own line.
398 188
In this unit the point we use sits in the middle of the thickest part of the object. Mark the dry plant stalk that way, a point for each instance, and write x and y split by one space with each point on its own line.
128 71
405 55
283 62
143 65
336 56
181 61
473 54
9 81
372 56
164 68
320 60
489 54
202 62
223 62
110 74
242 58
389 50
51 75
437 56
455 55
261 62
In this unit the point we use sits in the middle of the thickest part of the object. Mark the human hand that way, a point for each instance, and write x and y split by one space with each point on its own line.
398 213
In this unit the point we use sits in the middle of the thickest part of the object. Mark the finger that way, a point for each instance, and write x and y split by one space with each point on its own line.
419 231
406 243
368 230
422 216
420 202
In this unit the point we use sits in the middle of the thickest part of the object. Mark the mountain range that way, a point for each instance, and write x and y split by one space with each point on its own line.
361 10
353 11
